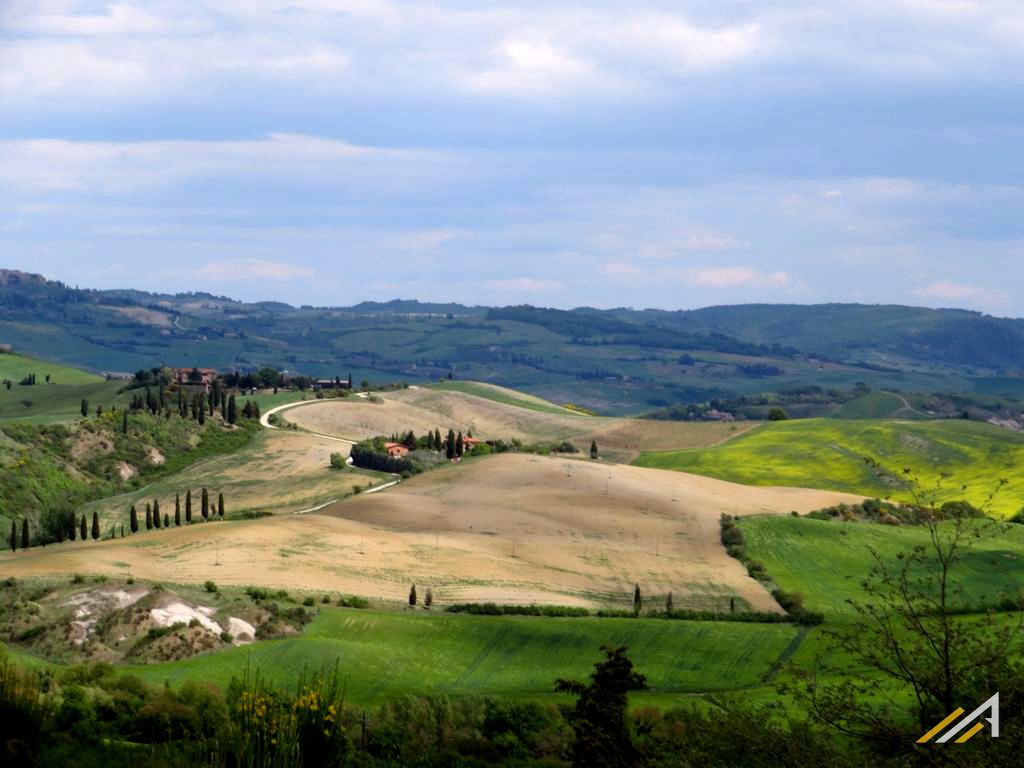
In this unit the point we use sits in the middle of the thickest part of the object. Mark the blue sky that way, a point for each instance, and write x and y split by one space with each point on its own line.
635 153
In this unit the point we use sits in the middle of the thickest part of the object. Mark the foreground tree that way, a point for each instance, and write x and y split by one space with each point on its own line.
85 408
602 737
95 526
927 645
133 519
83 529
220 505
412 595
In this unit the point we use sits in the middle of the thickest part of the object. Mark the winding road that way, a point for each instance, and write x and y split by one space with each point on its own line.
265 422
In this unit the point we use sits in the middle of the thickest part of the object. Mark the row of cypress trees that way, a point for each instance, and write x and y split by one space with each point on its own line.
154 519
70 526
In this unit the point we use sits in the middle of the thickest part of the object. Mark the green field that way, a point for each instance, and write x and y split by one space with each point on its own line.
830 453
827 560
60 399
386 655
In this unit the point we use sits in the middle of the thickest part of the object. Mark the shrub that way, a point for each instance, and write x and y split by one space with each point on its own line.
337 461
210 587
353 602
309 601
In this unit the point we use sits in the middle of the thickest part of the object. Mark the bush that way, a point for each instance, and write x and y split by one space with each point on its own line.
309 601
337 461
493 609
353 602
210 587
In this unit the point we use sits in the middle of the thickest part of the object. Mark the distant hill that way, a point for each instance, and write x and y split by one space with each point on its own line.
615 361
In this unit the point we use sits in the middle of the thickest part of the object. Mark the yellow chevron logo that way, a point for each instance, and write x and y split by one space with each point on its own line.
991 706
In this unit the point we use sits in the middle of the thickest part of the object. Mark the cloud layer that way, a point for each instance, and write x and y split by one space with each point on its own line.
646 153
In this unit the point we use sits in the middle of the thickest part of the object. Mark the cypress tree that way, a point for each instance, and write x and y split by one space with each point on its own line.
668 603
156 513
205 508
149 517
412 595
450 446
638 602
201 409
122 530
167 520
124 421
72 524
459 445
24 533
83 529
133 519
232 410
220 505
188 506
14 536
95 526
437 440
85 407
593 449
177 509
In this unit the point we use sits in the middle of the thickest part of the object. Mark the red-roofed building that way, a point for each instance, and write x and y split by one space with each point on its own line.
396 450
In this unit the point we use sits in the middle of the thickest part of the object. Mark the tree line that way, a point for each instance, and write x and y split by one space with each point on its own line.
70 526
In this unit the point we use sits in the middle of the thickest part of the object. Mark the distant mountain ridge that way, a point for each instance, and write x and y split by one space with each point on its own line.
618 358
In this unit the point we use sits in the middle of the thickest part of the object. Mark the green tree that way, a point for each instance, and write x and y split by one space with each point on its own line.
149 517
167 520
124 422
156 513
438 446
450 445
601 735
188 506
72 524
412 595
593 449
777 414
95 526
922 657
14 536
83 529
232 410
24 533
638 602
205 508
85 407
220 505
668 602
459 445
177 509
133 519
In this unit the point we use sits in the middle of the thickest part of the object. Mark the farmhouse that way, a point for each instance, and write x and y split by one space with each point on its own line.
185 376
470 442
396 450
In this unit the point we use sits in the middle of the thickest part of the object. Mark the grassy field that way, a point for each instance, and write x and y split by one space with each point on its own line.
502 395
830 453
60 399
279 472
827 560
385 655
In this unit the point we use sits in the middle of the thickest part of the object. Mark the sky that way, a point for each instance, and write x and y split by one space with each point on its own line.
632 153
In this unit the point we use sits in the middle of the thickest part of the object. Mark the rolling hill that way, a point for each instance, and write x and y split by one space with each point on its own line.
613 361
954 459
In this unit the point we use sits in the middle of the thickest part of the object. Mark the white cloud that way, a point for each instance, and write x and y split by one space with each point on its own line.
736 277
254 269
947 289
